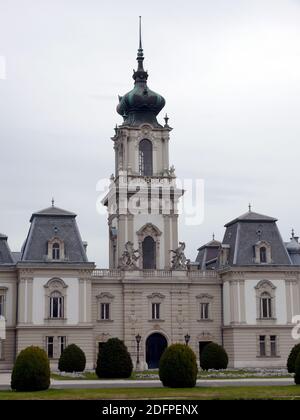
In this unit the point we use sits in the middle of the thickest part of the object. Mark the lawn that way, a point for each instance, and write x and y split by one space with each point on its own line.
229 393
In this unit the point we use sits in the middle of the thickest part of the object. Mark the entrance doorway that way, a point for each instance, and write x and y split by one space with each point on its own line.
202 345
155 346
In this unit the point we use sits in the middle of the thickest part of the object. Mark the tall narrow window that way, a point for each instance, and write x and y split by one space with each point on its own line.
204 311
149 253
262 345
273 345
1 349
56 305
105 311
145 158
155 310
263 255
56 252
265 306
2 312
50 347
61 344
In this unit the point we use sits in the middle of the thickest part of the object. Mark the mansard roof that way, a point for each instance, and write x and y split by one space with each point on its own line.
5 254
244 232
208 254
47 224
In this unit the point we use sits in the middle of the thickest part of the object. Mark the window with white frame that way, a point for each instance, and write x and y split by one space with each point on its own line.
56 251
273 345
156 310
265 297
265 306
262 346
50 347
62 342
205 302
56 305
262 253
2 304
105 311
204 310
105 305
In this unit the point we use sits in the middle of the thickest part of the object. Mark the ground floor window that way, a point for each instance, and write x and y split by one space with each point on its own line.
268 346
1 349
50 347
62 341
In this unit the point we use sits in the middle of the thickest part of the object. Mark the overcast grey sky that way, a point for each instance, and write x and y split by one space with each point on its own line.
230 73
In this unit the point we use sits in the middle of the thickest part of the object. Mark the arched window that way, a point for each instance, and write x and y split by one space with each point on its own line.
145 158
56 251
265 305
263 255
56 305
149 253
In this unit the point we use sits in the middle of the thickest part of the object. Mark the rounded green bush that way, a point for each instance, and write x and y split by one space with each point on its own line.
292 358
31 370
72 359
178 367
297 370
114 360
213 356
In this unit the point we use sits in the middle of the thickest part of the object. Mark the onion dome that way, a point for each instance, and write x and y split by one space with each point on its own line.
293 246
140 105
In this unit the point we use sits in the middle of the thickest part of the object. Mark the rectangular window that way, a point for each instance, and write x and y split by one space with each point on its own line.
105 311
204 311
56 307
155 310
50 347
273 345
262 346
1 349
266 307
2 305
61 344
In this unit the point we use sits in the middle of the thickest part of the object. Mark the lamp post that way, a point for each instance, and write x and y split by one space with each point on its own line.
138 340
187 338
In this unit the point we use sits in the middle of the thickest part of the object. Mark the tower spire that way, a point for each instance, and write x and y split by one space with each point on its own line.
140 54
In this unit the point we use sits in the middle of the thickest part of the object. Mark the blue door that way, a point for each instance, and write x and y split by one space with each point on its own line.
155 346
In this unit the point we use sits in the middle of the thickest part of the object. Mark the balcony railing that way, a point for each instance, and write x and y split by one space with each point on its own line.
155 273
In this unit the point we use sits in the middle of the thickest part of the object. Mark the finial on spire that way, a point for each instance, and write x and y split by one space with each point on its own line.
250 207
140 45
166 120
213 236
293 233
53 202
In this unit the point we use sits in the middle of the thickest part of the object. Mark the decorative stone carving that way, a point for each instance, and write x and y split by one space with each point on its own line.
179 261
129 258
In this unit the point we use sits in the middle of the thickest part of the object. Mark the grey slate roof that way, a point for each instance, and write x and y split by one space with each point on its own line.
293 248
5 254
245 231
208 254
251 216
49 223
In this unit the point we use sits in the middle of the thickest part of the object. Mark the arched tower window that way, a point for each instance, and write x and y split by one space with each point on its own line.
145 158
149 253
263 255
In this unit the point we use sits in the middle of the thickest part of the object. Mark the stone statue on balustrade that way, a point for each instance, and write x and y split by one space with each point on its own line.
179 261
129 258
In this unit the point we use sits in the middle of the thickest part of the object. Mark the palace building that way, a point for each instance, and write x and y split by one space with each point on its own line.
241 292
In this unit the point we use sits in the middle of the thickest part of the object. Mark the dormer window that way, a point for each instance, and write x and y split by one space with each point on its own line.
56 251
262 253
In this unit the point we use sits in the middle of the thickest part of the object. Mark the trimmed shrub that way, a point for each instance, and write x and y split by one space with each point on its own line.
213 357
292 358
31 370
178 367
114 360
72 359
297 370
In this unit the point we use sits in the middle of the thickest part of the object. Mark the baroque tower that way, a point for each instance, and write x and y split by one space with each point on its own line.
142 199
